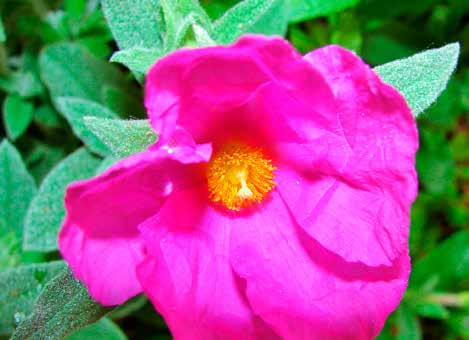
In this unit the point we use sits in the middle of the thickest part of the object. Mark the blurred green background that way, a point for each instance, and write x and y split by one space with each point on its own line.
436 305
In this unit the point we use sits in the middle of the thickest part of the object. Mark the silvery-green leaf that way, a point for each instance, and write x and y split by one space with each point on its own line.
137 59
45 214
135 23
122 137
20 288
74 110
63 306
422 77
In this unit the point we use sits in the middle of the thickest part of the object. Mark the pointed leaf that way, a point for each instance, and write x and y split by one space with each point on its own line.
137 59
135 23
74 110
63 306
202 37
122 137
46 211
17 115
70 71
422 77
20 287
17 189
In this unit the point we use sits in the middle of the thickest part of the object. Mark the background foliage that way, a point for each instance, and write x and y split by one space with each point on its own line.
55 70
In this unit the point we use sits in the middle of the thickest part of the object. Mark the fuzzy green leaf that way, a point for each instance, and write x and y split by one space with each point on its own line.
17 115
63 306
122 137
46 211
70 71
74 110
422 77
202 37
135 23
103 329
251 16
20 287
137 59
17 189
300 10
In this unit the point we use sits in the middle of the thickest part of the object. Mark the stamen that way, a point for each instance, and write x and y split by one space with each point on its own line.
239 176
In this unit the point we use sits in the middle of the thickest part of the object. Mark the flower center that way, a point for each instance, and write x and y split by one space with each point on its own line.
239 176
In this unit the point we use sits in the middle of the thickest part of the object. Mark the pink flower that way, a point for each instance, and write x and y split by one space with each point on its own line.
274 204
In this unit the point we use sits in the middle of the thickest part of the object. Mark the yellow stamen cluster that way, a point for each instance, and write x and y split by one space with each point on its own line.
239 175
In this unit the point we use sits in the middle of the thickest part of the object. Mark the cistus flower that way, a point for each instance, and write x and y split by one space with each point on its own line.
275 203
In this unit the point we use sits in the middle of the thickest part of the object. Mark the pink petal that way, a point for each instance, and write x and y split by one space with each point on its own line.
244 90
361 224
190 87
305 291
99 238
187 274
352 190
375 119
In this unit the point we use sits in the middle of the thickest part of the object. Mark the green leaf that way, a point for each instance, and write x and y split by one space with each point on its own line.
24 83
123 103
17 189
137 59
251 16
70 71
431 310
422 77
300 10
135 23
74 110
75 8
46 211
63 306
202 37
122 137
408 327
103 329
447 264
2 32
47 116
179 15
20 287
17 115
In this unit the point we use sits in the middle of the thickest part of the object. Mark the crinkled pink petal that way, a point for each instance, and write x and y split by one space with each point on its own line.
99 238
356 203
301 289
361 224
189 88
187 274
217 92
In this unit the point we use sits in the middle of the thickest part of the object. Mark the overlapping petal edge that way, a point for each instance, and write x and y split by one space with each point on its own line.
325 255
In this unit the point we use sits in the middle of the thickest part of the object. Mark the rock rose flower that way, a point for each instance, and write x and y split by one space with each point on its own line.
275 203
